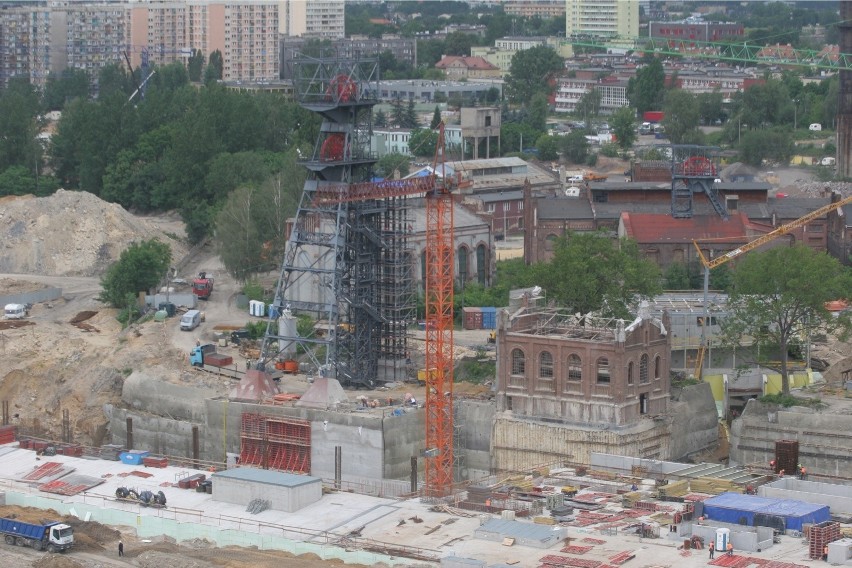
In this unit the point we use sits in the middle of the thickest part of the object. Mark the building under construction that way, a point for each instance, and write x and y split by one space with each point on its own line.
347 264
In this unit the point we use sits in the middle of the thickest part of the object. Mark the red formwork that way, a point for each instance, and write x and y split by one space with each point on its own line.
786 456
820 535
273 442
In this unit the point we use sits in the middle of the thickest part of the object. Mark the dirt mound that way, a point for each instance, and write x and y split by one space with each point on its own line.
70 233
56 561
91 535
9 286
14 324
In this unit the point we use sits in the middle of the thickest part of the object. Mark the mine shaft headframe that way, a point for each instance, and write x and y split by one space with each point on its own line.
694 161
328 79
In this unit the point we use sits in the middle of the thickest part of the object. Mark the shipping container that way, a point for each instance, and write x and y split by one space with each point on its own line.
472 318
653 116
489 318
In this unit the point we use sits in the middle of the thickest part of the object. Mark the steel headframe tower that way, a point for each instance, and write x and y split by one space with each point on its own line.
347 261
440 229
693 171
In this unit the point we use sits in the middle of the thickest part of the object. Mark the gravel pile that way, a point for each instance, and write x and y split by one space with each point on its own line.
822 188
70 233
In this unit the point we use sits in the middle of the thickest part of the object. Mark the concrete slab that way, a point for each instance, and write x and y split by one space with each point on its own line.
336 515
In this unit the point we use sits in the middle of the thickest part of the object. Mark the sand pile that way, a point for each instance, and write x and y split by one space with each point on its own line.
70 233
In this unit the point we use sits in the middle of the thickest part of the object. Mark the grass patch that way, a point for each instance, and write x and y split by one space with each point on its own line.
788 400
476 370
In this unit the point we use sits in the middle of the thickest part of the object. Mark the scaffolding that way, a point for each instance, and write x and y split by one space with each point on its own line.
272 442
348 262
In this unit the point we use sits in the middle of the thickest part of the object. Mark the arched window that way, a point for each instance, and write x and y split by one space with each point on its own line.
630 373
603 371
463 258
643 368
657 367
575 368
518 362
481 264
545 371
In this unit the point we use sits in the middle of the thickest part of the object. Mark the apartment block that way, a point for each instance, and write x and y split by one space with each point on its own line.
315 18
613 93
538 9
24 44
161 28
247 35
603 18
92 34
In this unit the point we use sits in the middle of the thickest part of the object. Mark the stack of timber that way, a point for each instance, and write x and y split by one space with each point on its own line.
676 489
714 486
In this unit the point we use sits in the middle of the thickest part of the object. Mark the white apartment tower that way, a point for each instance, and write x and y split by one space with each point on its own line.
604 18
312 18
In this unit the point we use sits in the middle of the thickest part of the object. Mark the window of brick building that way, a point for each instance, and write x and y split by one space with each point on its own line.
657 367
630 373
643 368
575 368
518 368
603 371
545 371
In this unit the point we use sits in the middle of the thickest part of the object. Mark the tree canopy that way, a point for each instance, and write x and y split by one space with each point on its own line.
591 271
623 124
531 72
140 267
779 298
647 89
682 115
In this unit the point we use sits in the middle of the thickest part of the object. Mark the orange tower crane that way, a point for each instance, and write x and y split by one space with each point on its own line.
440 262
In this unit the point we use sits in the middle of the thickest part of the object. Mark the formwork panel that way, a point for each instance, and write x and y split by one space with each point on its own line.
271 442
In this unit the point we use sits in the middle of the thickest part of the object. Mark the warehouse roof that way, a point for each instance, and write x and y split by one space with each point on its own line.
764 505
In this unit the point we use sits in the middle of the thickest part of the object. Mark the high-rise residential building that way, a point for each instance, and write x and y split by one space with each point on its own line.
535 8
603 18
24 44
312 18
45 36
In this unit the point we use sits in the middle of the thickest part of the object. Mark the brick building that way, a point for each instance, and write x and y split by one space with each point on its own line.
560 367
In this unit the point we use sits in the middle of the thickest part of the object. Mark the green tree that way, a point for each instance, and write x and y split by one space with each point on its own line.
710 107
531 71
391 164
772 145
19 106
68 85
140 267
380 120
215 67
537 115
397 117
410 115
195 65
682 115
589 105
422 142
779 298
676 277
514 135
458 43
575 147
623 126
766 104
591 272
436 118
547 147
647 89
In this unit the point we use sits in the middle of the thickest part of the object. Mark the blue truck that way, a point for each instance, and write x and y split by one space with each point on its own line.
53 537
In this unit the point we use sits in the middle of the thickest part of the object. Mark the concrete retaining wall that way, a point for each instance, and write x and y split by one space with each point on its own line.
404 436
744 539
837 497
519 445
42 295
825 438
144 393
155 434
695 425
474 447
184 299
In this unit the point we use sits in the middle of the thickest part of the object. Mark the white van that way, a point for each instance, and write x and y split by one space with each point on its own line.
190 320
828 161
15 311
815 126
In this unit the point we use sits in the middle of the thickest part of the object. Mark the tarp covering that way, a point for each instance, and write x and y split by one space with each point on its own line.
742 510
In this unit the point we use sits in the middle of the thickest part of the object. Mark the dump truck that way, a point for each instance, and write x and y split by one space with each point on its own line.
53 536
202 286
206 358
593 176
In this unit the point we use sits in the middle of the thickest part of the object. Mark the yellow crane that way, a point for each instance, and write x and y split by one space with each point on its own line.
711 263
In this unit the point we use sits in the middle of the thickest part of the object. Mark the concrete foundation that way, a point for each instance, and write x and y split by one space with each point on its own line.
744 539
825 437
690 426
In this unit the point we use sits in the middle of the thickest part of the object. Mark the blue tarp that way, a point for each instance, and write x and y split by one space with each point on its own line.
741 509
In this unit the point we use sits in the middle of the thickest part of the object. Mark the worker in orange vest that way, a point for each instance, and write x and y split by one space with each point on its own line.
772 465
730 549
803 473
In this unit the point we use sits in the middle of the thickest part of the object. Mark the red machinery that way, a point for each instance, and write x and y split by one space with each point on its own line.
440 262
202 286
342 89
332 148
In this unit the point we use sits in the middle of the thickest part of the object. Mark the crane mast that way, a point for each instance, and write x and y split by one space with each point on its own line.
711 263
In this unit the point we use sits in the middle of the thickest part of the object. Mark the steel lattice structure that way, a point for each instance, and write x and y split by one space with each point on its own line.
348 262
693 171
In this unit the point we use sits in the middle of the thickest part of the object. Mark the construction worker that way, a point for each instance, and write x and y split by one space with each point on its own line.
730 549
803 473
825 553
712 549
781 473
772 465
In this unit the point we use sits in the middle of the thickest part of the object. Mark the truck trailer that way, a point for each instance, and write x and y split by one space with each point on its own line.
53 537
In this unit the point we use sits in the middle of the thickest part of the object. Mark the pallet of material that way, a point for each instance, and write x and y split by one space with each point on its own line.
714 486
676 489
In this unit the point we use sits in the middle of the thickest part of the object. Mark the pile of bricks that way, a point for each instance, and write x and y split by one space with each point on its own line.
7 434
820 535
576 549
554 561
621 557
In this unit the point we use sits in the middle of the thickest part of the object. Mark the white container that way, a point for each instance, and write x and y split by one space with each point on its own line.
723 537
287 328
508 515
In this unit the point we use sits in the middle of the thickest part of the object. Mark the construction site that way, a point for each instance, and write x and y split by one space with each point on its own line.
581 451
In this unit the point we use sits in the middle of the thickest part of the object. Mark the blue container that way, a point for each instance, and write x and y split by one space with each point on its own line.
273 311
133 457
489 318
